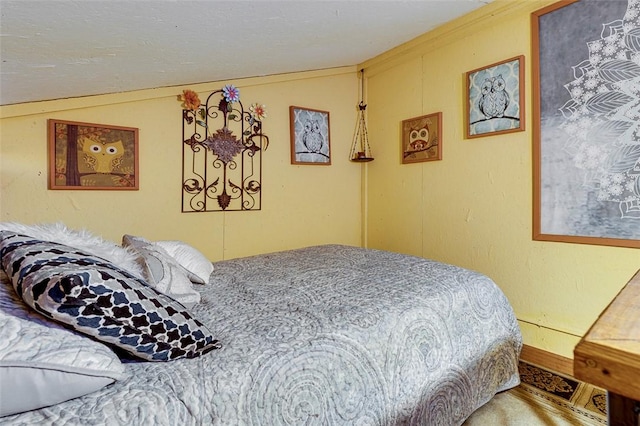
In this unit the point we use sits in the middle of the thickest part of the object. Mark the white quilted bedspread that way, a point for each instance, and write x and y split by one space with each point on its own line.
326 335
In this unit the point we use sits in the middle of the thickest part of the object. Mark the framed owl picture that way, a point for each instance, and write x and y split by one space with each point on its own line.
495 99
422 138
92 156
310 136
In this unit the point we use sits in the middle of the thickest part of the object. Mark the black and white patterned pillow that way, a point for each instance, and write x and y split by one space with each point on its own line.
101 300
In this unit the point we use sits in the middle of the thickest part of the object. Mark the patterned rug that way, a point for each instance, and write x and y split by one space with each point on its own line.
574 399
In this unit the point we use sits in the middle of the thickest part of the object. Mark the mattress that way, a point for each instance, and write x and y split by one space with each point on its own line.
324 335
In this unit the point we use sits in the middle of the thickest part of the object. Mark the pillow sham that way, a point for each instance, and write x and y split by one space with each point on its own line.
43 363
162 272
101 300
189 258
80 239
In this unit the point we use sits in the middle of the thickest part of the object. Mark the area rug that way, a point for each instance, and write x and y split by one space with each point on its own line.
544 398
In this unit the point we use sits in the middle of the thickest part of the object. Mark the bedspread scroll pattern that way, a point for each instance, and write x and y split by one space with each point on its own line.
299 386
326 335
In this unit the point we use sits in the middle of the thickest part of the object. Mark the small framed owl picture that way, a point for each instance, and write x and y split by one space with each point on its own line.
92 156
310 136
422 138
495 99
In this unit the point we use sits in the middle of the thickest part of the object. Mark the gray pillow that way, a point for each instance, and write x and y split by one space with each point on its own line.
101 300
163 272
42 363
190 259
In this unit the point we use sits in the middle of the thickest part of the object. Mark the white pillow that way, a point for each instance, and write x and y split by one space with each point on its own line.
43 363
190 258
162 272
81 239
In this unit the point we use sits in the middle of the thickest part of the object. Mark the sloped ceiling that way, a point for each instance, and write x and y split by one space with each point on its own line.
52 49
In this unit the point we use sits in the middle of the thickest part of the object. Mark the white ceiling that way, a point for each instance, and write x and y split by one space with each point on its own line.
52 49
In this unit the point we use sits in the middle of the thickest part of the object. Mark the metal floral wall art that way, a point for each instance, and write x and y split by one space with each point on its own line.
221 152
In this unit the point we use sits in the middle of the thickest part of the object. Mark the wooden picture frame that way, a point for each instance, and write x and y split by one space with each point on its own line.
421 138
495 99
310 136
87 156
586 170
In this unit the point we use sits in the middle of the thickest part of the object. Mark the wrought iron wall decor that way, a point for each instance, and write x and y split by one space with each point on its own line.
221 152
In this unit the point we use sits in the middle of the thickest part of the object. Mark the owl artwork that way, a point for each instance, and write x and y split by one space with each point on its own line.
418 140
312 138
102 157
494 99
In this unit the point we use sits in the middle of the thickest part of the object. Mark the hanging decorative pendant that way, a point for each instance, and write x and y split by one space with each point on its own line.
360 149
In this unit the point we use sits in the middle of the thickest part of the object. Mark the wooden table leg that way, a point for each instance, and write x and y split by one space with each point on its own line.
622 411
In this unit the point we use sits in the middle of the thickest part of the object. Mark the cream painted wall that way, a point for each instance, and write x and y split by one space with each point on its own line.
474 208
301 205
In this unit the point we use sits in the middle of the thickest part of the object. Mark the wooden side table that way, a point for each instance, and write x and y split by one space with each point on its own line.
608 356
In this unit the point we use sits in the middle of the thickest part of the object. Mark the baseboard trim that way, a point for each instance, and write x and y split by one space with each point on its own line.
548 360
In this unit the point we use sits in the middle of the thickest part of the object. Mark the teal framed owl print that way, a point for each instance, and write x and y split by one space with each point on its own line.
92 156
310 136
495 99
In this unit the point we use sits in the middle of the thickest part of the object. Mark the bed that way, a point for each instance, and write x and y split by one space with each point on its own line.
325 335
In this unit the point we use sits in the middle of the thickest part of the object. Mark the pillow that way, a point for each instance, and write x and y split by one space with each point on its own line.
189 258
101 300
43 363
162 272
83 240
